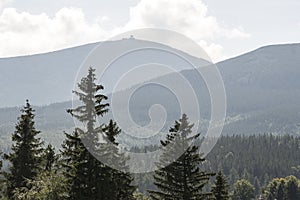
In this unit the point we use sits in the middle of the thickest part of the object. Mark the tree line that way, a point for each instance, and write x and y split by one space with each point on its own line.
36 171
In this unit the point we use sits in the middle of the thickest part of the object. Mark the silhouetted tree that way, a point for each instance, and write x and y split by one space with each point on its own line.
50 157
220 188
88 177
25 158
179 176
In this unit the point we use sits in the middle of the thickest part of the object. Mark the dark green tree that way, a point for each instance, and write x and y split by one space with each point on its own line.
280 191
283 188
122 187
85 174
271 191
257 186
72 160
179 176
25 158
292 188
50 158
2 182
88 177
220 189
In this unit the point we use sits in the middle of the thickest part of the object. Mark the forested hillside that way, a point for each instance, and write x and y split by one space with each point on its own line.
90 163
258 159
262 89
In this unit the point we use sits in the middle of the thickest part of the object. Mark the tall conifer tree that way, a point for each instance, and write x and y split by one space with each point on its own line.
88 177
220 189
25 158
49 157
122 187
83 171
179 176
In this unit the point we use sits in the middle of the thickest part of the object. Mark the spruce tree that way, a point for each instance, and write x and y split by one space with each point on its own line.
220 189
88 177
72 158
179 176
25 158
280 191
122 187
50 158
2 182
83 171
292 188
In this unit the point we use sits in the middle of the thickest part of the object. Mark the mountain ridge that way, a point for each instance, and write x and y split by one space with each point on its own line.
262 87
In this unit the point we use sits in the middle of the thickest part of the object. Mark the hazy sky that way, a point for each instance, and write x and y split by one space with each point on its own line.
223 28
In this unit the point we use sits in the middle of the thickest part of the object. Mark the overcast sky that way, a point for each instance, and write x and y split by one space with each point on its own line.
223 28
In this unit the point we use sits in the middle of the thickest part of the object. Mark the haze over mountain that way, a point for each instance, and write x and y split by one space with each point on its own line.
50 77
262 88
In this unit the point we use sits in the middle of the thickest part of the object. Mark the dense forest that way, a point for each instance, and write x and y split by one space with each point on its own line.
238 168
257 158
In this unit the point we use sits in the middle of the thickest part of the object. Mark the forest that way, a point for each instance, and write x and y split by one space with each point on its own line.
265 167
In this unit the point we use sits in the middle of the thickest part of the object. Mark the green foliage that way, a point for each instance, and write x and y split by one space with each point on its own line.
36 173
243 190
49 157
46 186
121 185
89 178
139 196
73 161
25 158
292 188
179 176
283 189
220 188
2 182
261 157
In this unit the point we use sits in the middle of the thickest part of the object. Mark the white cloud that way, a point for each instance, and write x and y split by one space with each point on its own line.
189 17
214 51
24 33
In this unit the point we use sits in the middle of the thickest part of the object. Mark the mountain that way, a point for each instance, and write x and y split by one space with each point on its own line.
50 77
40 77
262 88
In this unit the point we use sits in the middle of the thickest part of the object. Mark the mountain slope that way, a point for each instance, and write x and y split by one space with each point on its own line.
262 88
40 77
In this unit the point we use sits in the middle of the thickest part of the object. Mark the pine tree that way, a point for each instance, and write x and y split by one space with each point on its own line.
280 191
257 186
220 189
88 177
121 180
73 157
179 176
50 157
2 182
83 171
292 190
25 158
233 176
